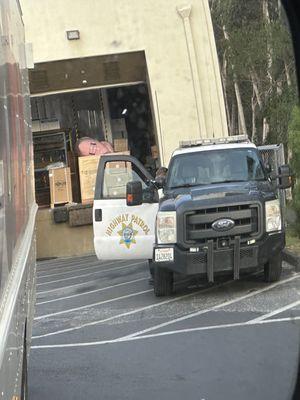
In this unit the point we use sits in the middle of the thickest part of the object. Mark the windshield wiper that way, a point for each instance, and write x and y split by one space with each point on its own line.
186 185
228 181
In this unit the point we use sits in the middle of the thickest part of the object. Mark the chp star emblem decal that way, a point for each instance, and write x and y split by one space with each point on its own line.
127 234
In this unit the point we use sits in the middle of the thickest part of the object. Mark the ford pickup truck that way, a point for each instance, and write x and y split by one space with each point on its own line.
215 212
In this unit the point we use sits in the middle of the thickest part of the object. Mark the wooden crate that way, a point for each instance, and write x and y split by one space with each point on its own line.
88 168
60 186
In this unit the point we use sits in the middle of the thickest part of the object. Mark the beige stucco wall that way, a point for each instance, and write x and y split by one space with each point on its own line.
61 240
181 58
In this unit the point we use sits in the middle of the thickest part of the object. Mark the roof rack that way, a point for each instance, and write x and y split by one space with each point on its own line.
222 140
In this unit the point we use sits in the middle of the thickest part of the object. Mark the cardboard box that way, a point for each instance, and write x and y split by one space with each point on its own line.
119 164
60 186
118 180
120 145
88 168
118 192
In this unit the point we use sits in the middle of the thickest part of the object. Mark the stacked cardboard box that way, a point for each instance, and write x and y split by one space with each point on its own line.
120 145
88 168
117 175
60 186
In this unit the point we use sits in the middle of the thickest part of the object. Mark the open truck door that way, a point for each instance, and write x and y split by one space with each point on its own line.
123 230
274 161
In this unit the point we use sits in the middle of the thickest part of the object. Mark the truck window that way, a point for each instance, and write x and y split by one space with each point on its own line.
216 166
116 176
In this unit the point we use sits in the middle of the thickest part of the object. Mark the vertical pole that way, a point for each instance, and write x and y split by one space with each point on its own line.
75 119
160 136
185 13
105 116
218 92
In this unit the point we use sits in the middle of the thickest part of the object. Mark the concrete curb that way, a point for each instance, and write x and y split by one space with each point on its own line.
291 258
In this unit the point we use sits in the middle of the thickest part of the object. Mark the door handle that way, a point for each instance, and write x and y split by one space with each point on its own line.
98 215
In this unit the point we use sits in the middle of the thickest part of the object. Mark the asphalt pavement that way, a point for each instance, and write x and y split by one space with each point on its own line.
100 333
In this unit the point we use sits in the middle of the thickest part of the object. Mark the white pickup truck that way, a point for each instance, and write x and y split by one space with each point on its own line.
218 212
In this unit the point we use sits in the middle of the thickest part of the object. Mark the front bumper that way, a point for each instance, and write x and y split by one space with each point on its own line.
235 259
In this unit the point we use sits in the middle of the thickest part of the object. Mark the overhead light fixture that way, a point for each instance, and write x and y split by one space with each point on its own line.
73 35
124 112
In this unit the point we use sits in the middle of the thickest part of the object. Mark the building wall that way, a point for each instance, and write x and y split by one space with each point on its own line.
181 55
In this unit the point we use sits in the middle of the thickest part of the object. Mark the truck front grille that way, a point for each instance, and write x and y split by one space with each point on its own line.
199 223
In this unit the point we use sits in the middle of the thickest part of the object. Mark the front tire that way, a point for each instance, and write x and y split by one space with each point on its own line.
273 269
151 269
163 282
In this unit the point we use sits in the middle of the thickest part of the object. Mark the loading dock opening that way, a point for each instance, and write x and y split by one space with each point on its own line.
65 109
101 114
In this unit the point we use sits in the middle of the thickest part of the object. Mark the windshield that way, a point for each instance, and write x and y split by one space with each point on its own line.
217 166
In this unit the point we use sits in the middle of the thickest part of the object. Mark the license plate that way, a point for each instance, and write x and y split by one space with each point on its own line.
164 255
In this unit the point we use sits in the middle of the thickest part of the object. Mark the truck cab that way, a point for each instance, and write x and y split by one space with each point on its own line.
216 211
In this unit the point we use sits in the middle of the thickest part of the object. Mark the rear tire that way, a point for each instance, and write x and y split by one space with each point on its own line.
273 269
163 282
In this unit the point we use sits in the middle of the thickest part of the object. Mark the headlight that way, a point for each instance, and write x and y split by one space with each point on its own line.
166 227
273 216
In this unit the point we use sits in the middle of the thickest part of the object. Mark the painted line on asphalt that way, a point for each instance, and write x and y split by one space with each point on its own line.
91 291
58 263
216 307
151 306
76 266
74 263
92 305
167 333
125 314
69 286
275 312
58 260
72 270
89 274
93 281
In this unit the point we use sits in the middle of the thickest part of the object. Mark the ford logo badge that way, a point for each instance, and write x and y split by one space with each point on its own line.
223 225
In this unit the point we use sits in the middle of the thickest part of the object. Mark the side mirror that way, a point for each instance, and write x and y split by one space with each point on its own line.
268 168
160 178
134 193
160 182
285 177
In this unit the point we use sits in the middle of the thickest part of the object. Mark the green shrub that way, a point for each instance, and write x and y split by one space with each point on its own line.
294 146
294 140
